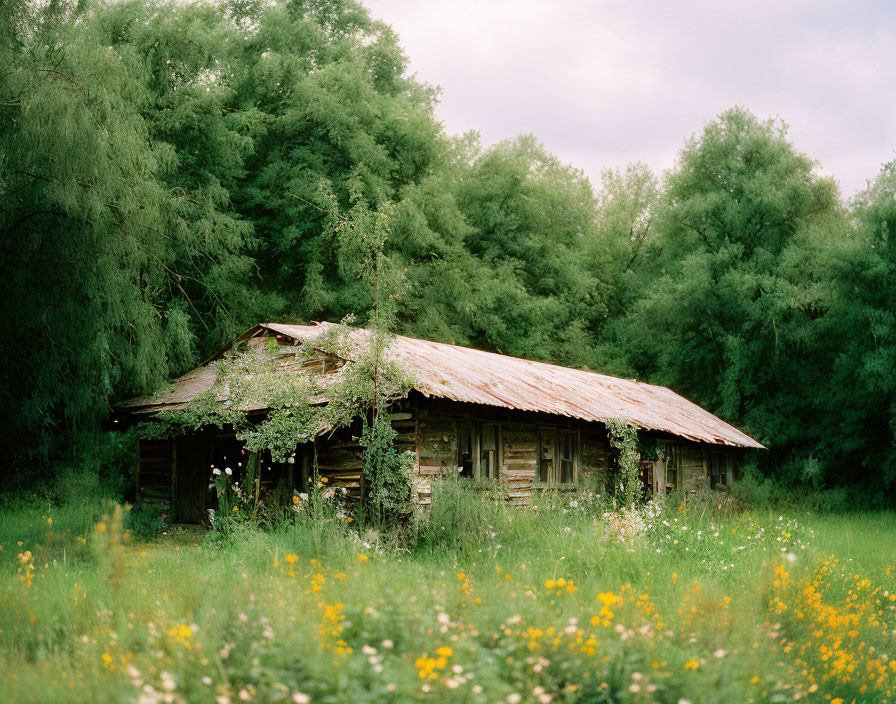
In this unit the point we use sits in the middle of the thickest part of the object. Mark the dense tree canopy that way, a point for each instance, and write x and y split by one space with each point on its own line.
170 173
721 303
110 273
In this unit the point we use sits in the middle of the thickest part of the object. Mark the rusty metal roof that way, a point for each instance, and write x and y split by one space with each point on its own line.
473 376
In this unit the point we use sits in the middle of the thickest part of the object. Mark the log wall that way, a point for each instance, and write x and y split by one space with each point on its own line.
519 446
427 430
693 467
437 424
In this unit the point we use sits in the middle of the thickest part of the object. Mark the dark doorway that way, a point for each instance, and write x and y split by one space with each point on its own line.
192 474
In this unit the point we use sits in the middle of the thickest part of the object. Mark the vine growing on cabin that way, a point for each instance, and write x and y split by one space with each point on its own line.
300 405
624 437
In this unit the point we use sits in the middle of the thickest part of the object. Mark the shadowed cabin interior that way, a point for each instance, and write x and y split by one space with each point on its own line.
498 421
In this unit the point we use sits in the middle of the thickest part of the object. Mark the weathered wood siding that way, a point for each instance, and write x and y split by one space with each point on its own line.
693 467
436 432
596 456
437 423
340 457
339 460
519 445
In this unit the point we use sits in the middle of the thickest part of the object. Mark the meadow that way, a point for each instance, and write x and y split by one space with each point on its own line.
691 599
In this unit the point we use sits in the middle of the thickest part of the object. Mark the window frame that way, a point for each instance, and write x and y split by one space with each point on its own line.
469 427
558 435
723 478
477 453
475 429
673 464
647 475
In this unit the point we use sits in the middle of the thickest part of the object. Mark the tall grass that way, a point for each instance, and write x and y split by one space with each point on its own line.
482 602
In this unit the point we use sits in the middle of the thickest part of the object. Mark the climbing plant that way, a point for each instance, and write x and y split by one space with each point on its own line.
299 405
361 237
387 472
624 437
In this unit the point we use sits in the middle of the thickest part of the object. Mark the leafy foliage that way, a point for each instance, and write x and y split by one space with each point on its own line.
171 173
299 406
624 438
387 472
109 272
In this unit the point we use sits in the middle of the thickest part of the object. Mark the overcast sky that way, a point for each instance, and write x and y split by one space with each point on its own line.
604 83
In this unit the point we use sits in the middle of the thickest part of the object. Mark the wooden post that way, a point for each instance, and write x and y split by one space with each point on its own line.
577 463
499 452
476 442
291 479
253 477
415 487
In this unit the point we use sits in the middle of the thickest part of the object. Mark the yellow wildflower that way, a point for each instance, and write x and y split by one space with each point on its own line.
608 599
181 633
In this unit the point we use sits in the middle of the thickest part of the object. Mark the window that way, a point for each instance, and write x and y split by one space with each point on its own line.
488 453
718 468
465 450
546 450
567 456
647 476
557 456
673 466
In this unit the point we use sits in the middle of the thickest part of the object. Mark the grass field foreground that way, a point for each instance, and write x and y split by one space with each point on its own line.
675 603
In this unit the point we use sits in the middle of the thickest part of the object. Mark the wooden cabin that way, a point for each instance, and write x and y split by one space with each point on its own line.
511 423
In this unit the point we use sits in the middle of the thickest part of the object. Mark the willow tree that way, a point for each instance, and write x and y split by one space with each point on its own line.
108 271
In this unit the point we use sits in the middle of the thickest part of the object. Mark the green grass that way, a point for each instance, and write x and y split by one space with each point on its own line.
470 609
